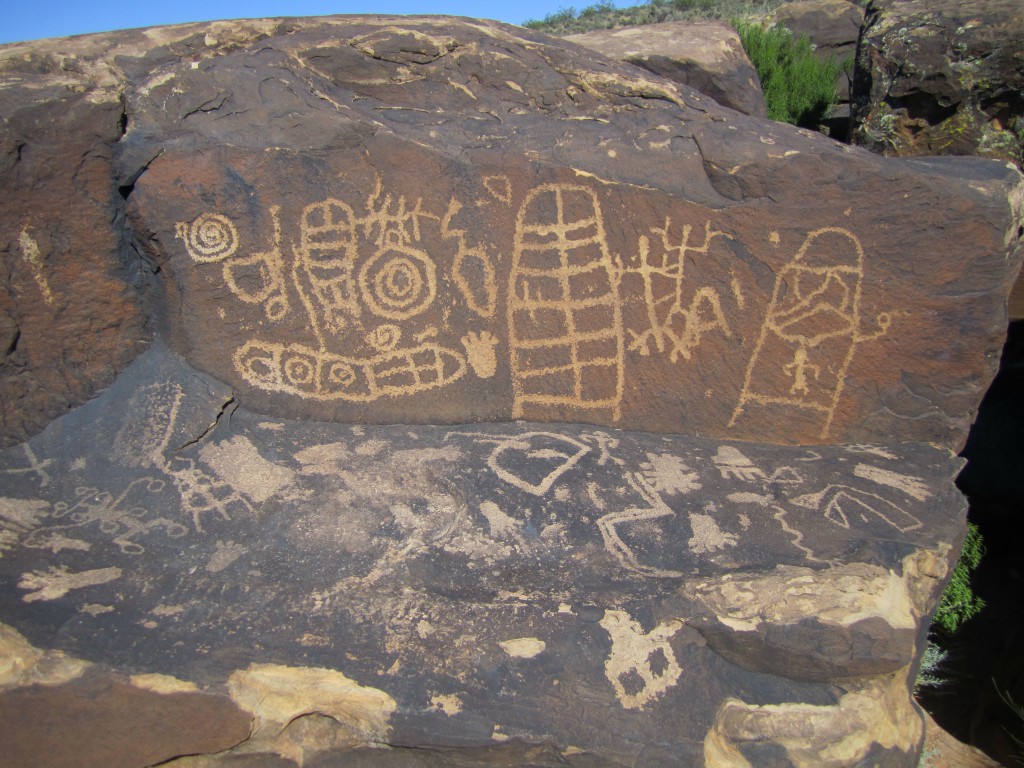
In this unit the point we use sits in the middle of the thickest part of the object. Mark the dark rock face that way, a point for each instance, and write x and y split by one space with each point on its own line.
833 26
383 258
942 78
376 260
707 56
450 585
70 302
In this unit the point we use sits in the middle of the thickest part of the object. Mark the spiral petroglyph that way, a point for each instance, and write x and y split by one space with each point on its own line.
209 238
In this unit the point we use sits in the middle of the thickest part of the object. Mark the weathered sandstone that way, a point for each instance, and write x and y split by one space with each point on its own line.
498 403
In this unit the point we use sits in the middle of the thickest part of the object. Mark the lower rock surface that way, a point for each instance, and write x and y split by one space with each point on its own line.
492 594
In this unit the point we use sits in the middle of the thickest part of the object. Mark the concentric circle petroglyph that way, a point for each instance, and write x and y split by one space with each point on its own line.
398 282
209 238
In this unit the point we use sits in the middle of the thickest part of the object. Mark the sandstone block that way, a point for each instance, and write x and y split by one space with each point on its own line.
707 56
503 402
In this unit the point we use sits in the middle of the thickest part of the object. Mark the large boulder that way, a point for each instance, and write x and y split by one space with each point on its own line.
504 401
941 77
832 26
644 599
705 55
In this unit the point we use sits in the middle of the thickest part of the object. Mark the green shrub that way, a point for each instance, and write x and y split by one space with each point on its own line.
930 674
604 14
553 21
798 88
959 603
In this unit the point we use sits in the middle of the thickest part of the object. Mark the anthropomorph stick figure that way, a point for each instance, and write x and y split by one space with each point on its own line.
811 330
799 369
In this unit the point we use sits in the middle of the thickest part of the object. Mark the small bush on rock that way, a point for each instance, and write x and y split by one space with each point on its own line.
959 603
798 88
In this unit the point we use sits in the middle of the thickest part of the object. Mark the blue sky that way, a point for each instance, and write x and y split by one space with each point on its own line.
25 20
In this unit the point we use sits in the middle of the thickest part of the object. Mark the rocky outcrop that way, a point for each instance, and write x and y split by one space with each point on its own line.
71 314
705 55
344 586
505 402
942 78
833 27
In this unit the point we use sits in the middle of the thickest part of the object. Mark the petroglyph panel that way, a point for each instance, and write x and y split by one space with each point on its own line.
465 293
646 507
418 561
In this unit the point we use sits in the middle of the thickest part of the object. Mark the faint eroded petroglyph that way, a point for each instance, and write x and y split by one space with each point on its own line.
121 516
239 464
707 536
732 464
609 525
151 444
914 487
564 280
840 503
57 581
501 525
472 269
35 466
641 666
667 473
813 324
18 517
30 252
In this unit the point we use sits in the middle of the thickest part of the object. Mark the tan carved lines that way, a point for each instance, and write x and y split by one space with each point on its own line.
319 375
325 256
609 524
480 353
564 314
811 328
209 238
30 252
259 278
841 502
499 187
255 279
398 281
92 507
638 656
677 324
472 270
389 219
